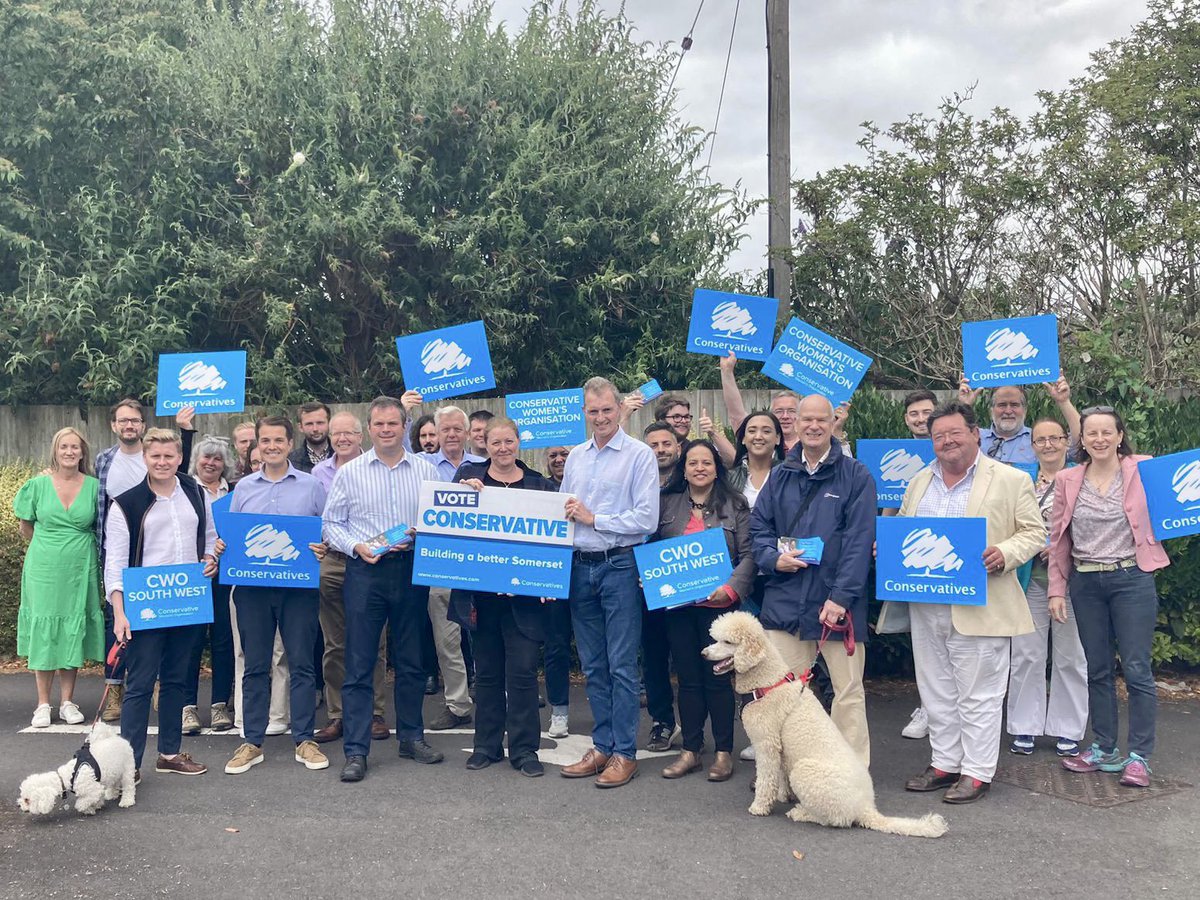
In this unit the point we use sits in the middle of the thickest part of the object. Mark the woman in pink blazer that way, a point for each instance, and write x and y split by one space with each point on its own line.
1102 547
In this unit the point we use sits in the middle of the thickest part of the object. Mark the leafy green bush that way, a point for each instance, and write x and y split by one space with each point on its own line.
12 554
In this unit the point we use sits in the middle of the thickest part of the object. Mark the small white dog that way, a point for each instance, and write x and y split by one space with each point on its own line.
796 743
109 753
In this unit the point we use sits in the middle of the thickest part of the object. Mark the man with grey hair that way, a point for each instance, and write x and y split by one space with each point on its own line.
613 480
453 432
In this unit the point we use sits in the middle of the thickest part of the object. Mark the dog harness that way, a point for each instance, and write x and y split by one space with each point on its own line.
83 757
759 693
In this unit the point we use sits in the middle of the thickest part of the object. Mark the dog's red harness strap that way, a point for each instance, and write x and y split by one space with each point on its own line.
759 693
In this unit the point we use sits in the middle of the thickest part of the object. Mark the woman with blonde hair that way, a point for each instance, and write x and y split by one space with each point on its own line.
60 624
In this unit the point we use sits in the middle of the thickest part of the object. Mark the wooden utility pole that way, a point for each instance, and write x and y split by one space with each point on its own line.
779 156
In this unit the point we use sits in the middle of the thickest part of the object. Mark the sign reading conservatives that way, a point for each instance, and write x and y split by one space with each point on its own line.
167 596
1172 485
1011 351
811 362
270 551
447 362
931 560
722 322
210 382
685 569
893 465
548 418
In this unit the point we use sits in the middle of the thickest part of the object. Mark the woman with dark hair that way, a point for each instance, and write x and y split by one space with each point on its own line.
759 442
698 497
1102 546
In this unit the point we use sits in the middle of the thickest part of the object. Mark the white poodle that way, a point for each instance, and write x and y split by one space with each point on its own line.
109 753
796 743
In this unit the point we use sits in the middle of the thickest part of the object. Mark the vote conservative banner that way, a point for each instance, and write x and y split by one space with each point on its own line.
211 382
931 560
447 362
683 570
811 362
722 322
1011 351
893 465
167 596
270 551
1172 485
498 540
547 418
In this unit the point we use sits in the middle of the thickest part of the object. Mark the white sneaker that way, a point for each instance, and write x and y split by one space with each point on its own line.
558 727
918 725
277 728
747 754
69 712
41 716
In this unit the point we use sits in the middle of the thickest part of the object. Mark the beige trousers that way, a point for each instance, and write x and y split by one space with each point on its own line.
333 626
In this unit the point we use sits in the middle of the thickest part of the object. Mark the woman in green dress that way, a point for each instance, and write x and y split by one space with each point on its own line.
60 624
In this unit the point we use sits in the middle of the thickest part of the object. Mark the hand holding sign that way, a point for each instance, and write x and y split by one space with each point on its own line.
186 418
577 512
410 400
993 560
967 394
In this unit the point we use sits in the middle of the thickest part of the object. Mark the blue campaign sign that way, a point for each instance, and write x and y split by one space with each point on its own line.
1172 485
447 362
1011 351
496 567
270 551
893 465
722 322
220 509
548 418
685 569
167 596
811 362
650 390
211 382
931 560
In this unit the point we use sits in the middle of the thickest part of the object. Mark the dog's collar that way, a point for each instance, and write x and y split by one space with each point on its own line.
759 693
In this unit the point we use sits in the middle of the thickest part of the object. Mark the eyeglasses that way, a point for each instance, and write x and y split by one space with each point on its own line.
958 434
1050 441
683 417
129 421
344 434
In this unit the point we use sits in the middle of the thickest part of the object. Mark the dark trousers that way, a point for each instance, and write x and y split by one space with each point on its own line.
656 667
375 596
218 635
156 654
557 618
318 656
1118 608
429 662
293 611
506 688
702 695
112 674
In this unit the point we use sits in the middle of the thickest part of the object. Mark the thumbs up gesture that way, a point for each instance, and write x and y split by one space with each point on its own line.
706 424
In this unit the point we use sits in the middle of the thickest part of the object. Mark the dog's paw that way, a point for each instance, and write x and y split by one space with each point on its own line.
126 802
760 809
797 814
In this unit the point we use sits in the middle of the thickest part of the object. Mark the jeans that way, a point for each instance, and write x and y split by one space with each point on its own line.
160 654
606 613
656 667
220 637
506 688
702 694
558 656
378 595
293 611
1118 607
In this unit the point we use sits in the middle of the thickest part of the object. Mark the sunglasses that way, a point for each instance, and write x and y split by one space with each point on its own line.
1094 410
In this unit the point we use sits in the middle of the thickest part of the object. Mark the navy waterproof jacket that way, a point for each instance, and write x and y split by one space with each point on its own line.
842 514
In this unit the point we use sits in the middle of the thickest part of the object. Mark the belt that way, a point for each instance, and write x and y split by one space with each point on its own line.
1105 567
601 555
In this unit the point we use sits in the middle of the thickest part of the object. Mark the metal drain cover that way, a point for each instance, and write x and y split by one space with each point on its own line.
1099 789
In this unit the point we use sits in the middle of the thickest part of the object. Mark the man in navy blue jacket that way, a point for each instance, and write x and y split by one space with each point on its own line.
819 491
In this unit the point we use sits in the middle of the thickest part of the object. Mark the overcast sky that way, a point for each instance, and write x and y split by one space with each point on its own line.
859 60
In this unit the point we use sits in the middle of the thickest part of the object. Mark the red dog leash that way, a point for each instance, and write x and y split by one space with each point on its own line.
844 628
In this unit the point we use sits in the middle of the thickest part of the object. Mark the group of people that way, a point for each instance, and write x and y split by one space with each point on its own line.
1070 560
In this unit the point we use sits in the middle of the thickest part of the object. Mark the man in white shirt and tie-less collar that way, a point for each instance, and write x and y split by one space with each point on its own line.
378 491
614 480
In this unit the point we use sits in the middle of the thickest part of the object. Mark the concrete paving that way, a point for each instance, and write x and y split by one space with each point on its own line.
441 831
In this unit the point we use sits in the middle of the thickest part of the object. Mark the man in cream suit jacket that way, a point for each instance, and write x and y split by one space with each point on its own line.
961 652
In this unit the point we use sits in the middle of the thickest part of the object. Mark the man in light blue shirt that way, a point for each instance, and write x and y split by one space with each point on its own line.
614 482
1010 440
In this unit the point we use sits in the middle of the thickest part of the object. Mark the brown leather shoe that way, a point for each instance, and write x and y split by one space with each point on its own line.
967 790
687 763
722 767
331 732
593 763
181 764
931 780
620 770
379 729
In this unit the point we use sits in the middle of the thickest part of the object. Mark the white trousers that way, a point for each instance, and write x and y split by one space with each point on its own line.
1065 714
280 710
447 640
962 680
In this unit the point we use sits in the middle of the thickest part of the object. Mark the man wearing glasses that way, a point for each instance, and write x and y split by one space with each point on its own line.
1010 440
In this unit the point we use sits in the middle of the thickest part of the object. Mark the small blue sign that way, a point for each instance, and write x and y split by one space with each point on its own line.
167 596
893 465
650 390
548 418
495 567
1172 485
392 539
811 362
1011 351
1030 469
722 322
220 509
931 560
684 569
271 551
812 550
211 382
447 362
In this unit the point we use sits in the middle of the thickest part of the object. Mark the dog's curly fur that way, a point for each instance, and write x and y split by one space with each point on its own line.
41 793
796 744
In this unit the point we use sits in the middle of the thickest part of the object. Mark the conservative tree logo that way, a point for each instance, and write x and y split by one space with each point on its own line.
443 359
930 553
198 379
1006 347
730 320
1186 484
899 466
267 546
